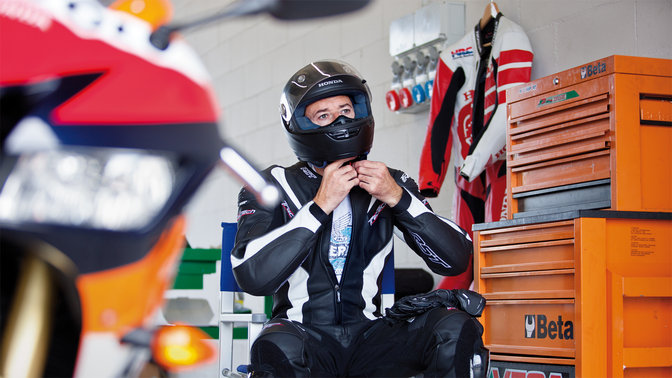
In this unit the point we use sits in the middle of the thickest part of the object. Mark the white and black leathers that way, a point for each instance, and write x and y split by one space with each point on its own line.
283 251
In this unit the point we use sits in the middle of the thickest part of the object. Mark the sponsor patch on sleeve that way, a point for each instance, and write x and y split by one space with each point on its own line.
245 212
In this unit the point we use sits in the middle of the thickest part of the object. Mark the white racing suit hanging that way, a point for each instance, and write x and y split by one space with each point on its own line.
468 122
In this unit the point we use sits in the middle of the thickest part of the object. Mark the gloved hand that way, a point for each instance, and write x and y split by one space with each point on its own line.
413 305
470 301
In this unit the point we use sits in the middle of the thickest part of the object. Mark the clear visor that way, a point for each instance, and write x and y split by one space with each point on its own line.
359 105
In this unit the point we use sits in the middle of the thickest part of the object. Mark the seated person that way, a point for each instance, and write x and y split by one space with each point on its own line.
322 250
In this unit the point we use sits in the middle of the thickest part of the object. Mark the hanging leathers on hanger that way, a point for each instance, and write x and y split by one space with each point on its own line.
411 306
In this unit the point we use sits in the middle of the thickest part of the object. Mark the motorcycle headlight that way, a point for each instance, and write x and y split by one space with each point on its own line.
112 189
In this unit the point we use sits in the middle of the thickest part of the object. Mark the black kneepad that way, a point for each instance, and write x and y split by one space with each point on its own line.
278 351
267 359
467 352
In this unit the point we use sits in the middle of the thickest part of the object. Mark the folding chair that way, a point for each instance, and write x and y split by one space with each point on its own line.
227 317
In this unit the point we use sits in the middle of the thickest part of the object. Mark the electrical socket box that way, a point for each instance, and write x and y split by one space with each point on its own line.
439 22
416 41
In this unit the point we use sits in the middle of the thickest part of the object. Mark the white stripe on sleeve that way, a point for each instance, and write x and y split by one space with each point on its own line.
303 219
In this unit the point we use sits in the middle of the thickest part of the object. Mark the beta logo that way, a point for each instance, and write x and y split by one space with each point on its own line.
591 70
461 53
539 327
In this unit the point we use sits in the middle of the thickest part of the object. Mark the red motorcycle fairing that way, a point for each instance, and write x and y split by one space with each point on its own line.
109 85
137 83
92 75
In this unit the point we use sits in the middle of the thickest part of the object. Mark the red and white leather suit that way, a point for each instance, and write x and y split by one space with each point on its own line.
468 123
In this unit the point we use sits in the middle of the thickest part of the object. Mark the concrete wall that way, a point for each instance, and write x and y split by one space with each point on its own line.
251 59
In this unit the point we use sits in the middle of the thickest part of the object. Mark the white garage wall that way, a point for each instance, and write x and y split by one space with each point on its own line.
251 59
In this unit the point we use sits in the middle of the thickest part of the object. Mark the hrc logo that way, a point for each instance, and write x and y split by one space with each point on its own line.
462 53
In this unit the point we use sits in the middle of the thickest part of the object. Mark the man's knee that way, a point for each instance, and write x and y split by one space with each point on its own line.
279 351
459 343
452 321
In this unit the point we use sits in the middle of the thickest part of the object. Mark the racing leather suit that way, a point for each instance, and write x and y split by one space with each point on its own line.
468 123
322 327
284 251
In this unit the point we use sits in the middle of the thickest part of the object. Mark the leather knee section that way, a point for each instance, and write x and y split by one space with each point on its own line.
458 340
279 351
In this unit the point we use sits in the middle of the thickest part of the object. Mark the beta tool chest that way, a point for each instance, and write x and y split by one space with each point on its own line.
585 293
597 136
578 278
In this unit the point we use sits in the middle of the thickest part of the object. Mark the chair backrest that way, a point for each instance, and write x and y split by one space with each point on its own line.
388 275
226 281
227 312
387 299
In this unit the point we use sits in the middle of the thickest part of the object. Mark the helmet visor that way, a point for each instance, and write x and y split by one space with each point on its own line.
360 107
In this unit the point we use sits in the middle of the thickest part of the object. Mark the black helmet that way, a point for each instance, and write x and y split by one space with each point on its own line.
345 137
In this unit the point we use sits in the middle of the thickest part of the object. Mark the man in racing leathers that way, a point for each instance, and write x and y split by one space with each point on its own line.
321 252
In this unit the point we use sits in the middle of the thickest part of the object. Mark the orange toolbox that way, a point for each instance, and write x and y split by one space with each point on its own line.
597 136
585 293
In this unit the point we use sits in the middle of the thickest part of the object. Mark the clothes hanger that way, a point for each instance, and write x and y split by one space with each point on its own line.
490 12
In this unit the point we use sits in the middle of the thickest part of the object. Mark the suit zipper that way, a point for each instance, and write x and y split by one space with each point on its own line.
337 289
339 306
347 260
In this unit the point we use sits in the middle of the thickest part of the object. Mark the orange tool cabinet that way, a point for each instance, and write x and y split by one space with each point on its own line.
597 136
585 293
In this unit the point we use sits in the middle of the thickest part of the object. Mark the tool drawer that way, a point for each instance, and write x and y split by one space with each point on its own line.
590 289
592 137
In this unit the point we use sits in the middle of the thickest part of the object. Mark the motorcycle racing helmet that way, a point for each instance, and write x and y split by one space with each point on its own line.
345 137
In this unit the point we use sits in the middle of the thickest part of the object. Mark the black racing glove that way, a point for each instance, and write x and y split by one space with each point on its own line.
413 305
470 302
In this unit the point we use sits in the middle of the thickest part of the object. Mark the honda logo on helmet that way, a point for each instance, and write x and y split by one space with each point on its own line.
337 81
